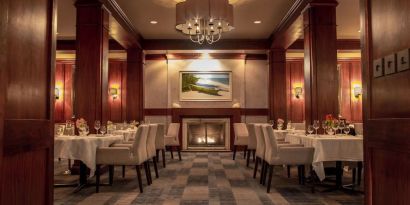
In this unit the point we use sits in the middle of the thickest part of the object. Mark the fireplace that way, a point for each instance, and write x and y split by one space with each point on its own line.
206 134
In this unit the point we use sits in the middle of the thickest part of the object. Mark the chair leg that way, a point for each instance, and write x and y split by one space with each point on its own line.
354 170
303 176
139 177
299 175
163 158
111 174
247 159
262 172
288 169
172 154
234 152
155 167
123 171
244 152
256 167
157 154
270 168
147 173
97 178
179 152
254 155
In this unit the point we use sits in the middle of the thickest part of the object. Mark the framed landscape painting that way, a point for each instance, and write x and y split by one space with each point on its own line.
205 86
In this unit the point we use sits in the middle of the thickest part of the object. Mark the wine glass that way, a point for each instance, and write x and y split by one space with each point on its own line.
97 125
316 125
60 130
271 122
103 129
346 130
324 126
335 126
310 129
341 126
86 130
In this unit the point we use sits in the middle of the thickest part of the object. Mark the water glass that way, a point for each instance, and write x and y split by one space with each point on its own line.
316 125
310 129
103 129
97 125
346 130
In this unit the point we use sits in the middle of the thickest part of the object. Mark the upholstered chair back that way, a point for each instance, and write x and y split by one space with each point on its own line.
252 136
159 139
151 140
358 128
140 143
173 130
260 141
299 126
271 147
240 130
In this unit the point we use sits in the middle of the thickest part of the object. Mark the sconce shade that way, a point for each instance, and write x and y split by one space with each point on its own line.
113 93
57 93
298 92
357 91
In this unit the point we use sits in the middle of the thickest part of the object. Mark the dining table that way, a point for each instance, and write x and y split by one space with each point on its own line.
128 134
83 149
330 148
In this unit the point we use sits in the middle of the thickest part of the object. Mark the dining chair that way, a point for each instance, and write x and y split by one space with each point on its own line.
251 148
151 151
241 138
134 155
284 155
260 149
172 139
160 143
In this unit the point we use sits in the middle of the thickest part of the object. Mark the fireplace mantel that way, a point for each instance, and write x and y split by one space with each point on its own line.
233 113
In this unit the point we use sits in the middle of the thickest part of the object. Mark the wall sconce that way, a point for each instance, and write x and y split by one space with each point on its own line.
298 92
57 93
114 93
357 91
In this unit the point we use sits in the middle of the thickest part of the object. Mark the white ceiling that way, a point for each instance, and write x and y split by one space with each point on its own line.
270 12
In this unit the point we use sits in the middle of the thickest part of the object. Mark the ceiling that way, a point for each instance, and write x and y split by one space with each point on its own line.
270 12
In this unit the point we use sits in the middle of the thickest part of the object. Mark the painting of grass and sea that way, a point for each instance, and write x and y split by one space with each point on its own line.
205 86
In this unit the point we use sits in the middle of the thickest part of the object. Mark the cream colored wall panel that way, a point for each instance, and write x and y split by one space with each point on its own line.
256 83
155 84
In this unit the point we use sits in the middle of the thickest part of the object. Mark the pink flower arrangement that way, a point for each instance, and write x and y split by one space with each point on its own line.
280 121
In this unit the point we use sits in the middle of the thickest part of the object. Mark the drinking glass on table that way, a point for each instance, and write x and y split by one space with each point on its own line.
103 129
310 129
324 126
60 130
316 125
335 126
86 130
97 125
341 126
346 130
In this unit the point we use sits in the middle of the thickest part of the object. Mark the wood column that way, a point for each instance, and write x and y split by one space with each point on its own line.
321 74
27 41
91 72
277 84
135 85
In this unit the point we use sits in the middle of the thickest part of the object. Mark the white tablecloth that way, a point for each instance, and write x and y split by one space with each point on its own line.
330 148
128 134
83 148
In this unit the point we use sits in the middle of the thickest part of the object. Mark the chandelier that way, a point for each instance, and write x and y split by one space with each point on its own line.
204 20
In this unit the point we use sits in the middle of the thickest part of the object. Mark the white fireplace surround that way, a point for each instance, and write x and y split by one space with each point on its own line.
186 121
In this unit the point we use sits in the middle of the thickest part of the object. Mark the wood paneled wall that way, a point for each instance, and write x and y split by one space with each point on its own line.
350 75
385 28
27 39
116 78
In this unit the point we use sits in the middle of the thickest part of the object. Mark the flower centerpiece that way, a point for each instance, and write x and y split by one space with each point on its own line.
280 123
82 127
329 120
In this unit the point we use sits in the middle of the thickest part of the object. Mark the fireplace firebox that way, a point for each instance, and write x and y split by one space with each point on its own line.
206 133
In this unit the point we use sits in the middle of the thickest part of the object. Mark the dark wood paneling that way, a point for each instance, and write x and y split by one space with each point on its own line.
291 26
277 84
223 44
187 56
91 76
117 79
350 76
233 113
135 85
321 75
67 45
244 111
27 103
63 108
342 44
295 78
386 103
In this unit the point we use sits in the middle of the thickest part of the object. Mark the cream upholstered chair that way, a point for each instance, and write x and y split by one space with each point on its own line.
241 137
172 139
358 128
260 148
151 151
251 148
160 142
283 155
299 126
134 155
